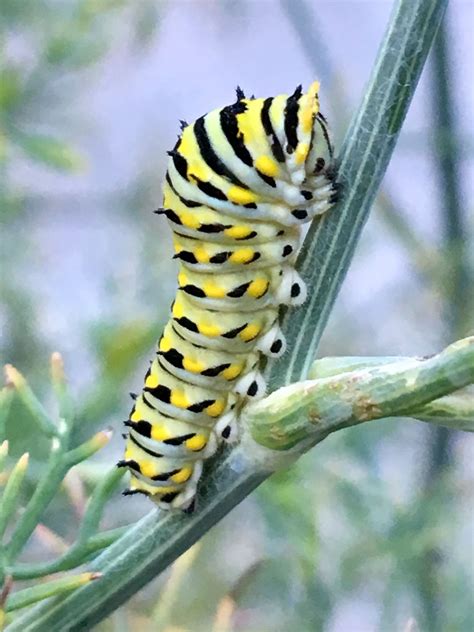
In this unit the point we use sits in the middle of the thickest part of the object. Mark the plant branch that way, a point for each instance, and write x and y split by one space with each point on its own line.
330 244
310 410
78 554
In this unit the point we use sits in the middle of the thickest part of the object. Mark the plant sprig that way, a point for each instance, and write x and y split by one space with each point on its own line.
14 534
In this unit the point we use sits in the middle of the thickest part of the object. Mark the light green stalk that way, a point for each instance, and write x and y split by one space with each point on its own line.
311 409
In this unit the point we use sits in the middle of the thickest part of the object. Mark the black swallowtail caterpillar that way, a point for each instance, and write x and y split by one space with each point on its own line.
241 181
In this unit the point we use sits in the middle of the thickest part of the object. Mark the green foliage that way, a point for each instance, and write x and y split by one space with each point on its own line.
64 455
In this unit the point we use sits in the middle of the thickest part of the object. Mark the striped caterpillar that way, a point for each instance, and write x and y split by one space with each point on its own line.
241 181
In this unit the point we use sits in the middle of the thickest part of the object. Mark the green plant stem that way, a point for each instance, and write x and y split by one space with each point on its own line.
74 557
42 591
454 411
59 464
42 496
3 454
61 390
10 496
6 398
31 402
309 410
157 540
302 18
96 504
457 291
329 246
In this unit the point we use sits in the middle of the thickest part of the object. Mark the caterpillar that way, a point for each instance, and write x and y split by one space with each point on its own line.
241 181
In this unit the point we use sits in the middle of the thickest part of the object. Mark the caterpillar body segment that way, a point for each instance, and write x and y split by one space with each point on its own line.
241 181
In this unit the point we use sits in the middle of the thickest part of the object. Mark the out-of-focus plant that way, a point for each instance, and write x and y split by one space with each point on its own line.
46 50
18 524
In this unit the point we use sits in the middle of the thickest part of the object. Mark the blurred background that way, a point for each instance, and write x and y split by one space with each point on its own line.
374 526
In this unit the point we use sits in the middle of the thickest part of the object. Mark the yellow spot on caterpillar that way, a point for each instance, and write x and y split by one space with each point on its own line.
179 399
182 279
165 344
267 165
258 287
243 255
249 122
159 433
200 171
233 371
196 443
147 468
177 248
241 196
237 232
250 332
193 366
309 106
135 416
186 144
201 254
301 153
178 309
189 220
166 196
212 290
151 381
307 116
216 409
314 89
128 454
183 475
212 331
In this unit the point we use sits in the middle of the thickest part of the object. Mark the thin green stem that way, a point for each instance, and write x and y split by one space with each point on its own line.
50 589
96 504
454 411
74 557
32 403
10 496
47 488
456 285
45 491
6 398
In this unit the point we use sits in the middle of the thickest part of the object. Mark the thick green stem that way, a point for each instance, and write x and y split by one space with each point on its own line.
329 246
455 411
311 409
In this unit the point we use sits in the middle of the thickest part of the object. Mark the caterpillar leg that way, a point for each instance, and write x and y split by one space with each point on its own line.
251 385
273 343
185 498
227 427
292 289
